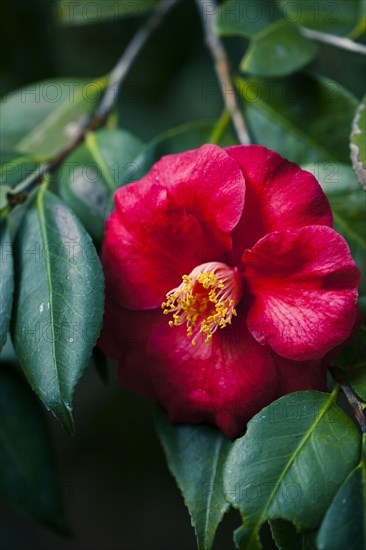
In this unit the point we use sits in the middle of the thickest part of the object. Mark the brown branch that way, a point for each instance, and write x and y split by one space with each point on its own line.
123 66
332 40
352 400
207 9
116 79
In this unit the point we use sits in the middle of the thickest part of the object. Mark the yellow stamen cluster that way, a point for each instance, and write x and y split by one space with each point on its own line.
205 300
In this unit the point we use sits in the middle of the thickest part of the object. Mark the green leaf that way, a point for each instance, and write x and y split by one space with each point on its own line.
336 17
6 281
58 301
84 12
177 140
290 463
28 475
42 117
348 203
245 19
280 49
287 538
358 143
305 118
356 374
15 168
196 456
4 205
90 175
7 156
344 524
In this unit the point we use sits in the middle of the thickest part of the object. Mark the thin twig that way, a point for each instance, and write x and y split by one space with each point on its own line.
352 400
120 71
207 10
116 79
355 404
337 41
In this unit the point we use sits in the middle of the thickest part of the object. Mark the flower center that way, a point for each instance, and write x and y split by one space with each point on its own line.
205 300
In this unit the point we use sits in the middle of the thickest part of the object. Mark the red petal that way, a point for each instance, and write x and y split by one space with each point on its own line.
279 195
124 337
142 263
224 382
206 181
304 284
175 218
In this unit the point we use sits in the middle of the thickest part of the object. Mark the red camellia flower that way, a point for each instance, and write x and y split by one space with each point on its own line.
225 284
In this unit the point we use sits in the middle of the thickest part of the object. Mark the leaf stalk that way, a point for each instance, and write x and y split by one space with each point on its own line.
207 9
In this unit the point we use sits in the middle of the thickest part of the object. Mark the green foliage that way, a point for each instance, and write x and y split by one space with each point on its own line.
315 128
278 50
288 538
84 12
336 17
28 474
90 175
4 190
344 524
58 301
6 280
277 44
358 143
351 359
16 168
196 457
184 137
290 463
356 374
237 18
42 118
348 202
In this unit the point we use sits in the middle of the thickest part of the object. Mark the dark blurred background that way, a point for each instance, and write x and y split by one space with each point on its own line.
118 491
